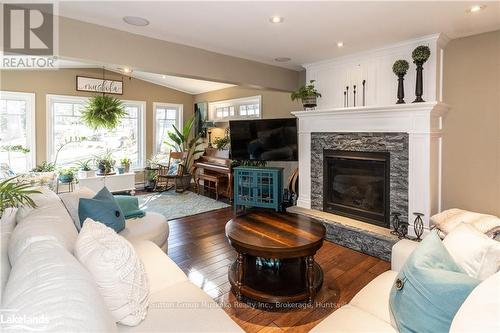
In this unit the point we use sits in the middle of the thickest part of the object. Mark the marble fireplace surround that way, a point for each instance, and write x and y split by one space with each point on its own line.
418 125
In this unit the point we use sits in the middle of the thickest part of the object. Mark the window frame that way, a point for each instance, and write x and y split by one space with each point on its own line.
30 99
141 120
236 103
180 120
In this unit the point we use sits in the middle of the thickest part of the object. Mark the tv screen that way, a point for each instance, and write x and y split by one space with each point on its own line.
264 139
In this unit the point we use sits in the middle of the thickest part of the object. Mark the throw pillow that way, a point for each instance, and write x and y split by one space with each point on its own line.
431 286
129 206
102 208
477 254
117 271
173 169
449 219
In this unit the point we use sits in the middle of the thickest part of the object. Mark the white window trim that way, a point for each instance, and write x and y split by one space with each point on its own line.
141 119
180 120
30 120
236 102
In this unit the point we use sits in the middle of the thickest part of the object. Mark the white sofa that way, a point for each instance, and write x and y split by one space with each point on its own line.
369 310
44 287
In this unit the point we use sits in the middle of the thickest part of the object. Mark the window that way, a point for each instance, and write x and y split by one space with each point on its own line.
64 125
17 130
233 109
166 115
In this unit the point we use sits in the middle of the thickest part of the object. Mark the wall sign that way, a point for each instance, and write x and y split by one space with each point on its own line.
84 83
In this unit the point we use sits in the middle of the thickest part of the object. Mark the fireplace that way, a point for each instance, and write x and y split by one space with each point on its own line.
356 185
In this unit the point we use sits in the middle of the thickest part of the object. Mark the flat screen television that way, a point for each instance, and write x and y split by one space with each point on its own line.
264 139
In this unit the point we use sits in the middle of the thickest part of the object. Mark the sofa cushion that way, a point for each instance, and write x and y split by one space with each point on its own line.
44 198
71 201
374 297
117 270
102 208
152 227
480 258
51 222
7 224
481 310
162 272
351 319
431 286
48 284
183 307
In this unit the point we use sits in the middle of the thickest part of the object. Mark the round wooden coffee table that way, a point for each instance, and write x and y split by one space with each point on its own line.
275 262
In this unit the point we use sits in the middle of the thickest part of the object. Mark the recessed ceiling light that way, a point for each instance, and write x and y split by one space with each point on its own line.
340 44
282 59
163 77
126 70
475 9
276 19
135 20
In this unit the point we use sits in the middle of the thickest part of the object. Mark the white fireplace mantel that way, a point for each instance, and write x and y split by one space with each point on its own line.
422 121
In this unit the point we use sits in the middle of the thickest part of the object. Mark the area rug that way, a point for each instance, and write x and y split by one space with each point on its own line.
173 205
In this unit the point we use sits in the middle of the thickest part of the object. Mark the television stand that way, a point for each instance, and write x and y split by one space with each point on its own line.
258 187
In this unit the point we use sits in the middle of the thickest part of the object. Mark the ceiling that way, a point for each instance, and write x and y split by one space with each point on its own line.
310 30
190 86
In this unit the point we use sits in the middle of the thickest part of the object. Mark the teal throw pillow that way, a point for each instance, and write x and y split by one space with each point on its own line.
429 290
102 208
129 206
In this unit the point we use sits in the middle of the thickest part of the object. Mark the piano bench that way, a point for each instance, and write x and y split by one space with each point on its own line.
207 180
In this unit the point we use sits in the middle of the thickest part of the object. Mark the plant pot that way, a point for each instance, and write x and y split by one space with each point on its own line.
65 179
183 183
126 168
309 102
121 170
86 174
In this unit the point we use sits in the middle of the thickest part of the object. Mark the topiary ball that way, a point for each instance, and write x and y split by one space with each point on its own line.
400 67
421 54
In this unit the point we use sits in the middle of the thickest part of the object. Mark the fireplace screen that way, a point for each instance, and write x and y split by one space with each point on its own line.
356 185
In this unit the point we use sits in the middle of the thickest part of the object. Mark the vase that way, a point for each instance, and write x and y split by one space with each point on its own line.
401 89
309 102
419 86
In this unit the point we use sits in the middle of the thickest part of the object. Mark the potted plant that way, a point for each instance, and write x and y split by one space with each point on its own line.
105 164
103 112
420 56
125 163
85 169
189 143
307 94
14 194
66 175
400 68
151 172
221 143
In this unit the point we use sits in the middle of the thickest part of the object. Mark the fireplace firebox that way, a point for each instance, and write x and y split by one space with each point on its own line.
356 185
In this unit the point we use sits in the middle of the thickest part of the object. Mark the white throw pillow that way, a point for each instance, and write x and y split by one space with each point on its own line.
481 310
449 219
477 254
72 199
117 270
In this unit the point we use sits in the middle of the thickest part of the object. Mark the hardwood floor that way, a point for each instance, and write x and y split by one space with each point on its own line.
199 246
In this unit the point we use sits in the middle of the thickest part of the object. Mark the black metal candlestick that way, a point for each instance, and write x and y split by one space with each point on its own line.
345 96
354 95
401 89
418 226
347 89
395 223
419 86
364 82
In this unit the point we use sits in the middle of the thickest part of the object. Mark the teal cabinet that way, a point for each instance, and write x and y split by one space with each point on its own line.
258 187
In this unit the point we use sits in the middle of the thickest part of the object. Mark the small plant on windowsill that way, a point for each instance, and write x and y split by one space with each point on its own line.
67 175
307 94
85 169
125 163
105 163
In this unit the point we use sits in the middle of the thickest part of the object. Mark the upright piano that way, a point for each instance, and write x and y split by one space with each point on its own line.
217 163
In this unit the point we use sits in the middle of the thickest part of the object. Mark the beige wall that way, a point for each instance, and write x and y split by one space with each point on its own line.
471 149
63 82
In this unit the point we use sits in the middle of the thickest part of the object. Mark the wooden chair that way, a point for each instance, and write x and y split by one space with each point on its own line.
173 170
